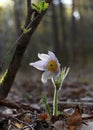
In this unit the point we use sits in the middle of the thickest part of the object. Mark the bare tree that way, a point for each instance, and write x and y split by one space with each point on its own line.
63 48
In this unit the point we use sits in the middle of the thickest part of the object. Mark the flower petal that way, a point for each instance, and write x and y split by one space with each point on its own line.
43 56
52 55
57 73
45 76
40 65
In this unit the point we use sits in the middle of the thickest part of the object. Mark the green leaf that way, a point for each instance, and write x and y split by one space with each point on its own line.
25 30
44 100
41 6
35 7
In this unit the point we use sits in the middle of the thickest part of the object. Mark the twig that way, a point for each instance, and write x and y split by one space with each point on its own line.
10 104
87 118
20 121
64 104
17 105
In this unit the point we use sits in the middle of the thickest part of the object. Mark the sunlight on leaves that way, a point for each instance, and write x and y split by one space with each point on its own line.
41 6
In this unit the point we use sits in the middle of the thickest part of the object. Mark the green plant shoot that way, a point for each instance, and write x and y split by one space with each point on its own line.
25 30
44 100
41 6
57 85
61 77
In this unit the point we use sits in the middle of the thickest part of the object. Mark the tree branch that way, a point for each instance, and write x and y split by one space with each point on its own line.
22 44
29 13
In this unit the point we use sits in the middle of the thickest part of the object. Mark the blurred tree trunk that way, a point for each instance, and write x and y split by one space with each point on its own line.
22 42
55 31
80 6
80 49
64 53
18 15
62 17
73 34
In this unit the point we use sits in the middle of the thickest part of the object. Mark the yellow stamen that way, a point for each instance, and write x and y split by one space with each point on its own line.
52 65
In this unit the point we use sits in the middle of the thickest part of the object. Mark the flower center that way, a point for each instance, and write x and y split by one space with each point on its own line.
52 66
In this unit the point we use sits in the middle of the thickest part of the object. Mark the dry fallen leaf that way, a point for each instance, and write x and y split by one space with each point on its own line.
74 120
72 127
18 125
27 118
43 116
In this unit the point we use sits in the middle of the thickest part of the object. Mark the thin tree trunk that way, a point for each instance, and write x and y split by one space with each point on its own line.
62 17
22 44
63 52
73 35
18 15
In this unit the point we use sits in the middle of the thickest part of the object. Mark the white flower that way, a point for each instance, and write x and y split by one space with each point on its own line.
49 64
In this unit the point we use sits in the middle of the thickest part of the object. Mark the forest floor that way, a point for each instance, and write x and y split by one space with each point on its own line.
75 103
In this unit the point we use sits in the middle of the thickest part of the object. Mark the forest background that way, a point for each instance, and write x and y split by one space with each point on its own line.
66 29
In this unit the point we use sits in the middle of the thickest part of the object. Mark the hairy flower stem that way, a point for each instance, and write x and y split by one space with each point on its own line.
55 100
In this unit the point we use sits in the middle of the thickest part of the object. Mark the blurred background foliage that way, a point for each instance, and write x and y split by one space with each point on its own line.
66 29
